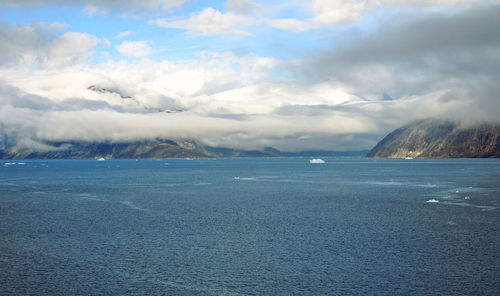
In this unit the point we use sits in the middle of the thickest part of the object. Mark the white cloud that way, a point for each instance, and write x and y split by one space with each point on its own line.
34 46
210 22
338 11
69 49
123 35
135 49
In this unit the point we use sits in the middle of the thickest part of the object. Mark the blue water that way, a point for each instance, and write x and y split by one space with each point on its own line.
256 226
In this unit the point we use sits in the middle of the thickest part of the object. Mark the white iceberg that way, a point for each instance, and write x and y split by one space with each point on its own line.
432 200
316 160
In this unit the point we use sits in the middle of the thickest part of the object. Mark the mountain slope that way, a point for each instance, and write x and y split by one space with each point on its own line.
440 139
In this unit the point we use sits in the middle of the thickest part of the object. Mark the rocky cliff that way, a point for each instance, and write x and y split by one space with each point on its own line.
440 139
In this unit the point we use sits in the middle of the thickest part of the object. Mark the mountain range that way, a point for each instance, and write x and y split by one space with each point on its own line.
426 138
158 148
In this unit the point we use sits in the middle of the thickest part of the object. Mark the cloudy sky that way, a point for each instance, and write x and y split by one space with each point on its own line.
296 74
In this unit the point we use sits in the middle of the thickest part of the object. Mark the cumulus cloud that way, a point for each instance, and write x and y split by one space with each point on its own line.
210 22
69 49
37 46
18 45
135 49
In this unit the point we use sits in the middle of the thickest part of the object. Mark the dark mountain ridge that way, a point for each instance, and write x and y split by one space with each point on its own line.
440 139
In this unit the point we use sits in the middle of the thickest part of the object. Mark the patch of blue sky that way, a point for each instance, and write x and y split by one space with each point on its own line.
28 15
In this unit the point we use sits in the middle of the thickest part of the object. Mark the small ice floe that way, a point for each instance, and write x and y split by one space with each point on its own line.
316 160
101 159
458 191
467 197
433 200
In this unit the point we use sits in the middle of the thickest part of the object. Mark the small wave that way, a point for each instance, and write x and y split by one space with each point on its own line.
133 206
388 183
427 185
91 197
464 204
202 184
245 178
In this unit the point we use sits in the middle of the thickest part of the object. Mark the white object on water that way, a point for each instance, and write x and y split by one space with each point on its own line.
432 200
316 160
408 157
101 159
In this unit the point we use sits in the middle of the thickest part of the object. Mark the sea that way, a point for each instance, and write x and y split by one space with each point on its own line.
250 226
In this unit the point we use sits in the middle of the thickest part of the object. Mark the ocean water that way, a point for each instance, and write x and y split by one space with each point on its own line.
250 226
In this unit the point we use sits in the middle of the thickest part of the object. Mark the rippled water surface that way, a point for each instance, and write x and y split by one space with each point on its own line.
266 226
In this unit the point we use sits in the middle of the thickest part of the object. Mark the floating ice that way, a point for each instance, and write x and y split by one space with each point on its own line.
316 160
432 200
467 197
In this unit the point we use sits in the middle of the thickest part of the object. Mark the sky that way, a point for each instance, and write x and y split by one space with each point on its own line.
294 75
